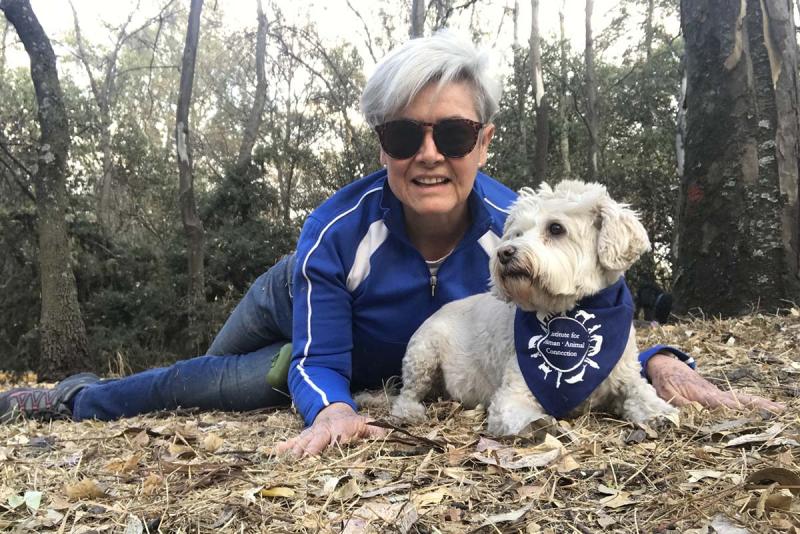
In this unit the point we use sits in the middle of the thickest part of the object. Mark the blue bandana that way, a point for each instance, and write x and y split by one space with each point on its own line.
564 357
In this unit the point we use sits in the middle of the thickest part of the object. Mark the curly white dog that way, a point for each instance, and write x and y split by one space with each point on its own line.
555 335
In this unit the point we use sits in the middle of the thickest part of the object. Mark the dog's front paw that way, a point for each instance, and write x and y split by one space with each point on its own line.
656 413
408 409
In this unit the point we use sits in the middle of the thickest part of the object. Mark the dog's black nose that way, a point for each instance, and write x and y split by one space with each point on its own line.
506 253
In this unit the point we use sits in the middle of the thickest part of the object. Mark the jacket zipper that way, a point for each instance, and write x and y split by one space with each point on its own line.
433 285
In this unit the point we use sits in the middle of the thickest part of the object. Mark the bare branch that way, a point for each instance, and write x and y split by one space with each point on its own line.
368 40
83 57
14 176
17 162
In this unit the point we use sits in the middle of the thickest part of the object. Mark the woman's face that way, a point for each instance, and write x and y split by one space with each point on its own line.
428 183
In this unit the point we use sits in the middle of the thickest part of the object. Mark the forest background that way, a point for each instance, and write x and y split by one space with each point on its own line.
690 118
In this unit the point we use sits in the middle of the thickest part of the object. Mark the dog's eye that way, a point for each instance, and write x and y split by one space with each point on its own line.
516 233
556 229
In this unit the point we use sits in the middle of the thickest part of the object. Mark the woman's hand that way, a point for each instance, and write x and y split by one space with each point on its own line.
679 384
337 423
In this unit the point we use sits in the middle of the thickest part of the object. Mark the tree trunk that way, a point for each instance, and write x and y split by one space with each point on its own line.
260 98
64 347
738 213
521 86
542 123
648 29
192 225
591 94
566 168
104 92
3 51
417 19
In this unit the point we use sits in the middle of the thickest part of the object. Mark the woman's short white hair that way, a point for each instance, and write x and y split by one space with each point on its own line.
443 58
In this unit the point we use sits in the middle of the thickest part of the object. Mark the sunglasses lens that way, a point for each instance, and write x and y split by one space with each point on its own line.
455 138
401 139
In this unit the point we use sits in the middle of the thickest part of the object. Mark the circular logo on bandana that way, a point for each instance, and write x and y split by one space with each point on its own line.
566 344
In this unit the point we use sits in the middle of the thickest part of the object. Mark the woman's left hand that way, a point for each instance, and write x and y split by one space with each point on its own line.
679 384
337 423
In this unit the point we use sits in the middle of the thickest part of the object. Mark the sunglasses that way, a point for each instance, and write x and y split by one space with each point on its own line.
454 138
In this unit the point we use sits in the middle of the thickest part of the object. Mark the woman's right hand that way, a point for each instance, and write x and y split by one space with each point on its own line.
679 384
335 424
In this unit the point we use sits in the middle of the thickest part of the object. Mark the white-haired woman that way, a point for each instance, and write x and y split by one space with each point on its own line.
372 263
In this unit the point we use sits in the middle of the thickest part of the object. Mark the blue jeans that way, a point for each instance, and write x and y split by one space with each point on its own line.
233 374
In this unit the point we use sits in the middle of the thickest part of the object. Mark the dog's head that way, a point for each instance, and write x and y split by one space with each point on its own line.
563 244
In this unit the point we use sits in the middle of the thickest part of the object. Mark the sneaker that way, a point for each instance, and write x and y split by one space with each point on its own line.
43 403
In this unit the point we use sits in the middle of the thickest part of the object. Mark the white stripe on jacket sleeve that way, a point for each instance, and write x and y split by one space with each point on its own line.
301 364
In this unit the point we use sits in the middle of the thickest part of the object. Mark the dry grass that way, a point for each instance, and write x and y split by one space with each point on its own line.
213 472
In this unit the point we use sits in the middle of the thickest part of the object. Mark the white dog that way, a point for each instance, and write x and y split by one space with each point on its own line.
558 320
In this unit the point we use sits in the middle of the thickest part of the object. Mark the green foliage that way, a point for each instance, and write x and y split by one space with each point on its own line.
131 267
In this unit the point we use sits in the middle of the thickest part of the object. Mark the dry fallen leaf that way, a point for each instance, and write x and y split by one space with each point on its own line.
152 484
508 516
277 491
85 489
769 437
347 491
695 475
429 498
126 465
212 443
605 520
615 499
526 492
177 451
769 475
400 516
723 525
142 439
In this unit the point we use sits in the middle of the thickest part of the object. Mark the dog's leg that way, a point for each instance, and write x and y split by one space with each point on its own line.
628 394
640 403
513 406
421 366
631 397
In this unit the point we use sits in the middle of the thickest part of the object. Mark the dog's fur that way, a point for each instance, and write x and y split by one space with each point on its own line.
472 340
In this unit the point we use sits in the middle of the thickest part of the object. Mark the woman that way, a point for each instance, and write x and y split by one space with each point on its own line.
372 263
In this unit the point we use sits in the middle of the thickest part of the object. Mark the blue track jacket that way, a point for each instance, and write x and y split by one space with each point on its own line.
361 289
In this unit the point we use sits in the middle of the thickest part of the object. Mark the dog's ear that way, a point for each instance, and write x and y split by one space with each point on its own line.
526 192
622 238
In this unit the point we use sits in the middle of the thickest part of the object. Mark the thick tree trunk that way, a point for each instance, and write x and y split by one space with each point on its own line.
417 19
566 168
542 124
738 215
64 347
192 225
591 94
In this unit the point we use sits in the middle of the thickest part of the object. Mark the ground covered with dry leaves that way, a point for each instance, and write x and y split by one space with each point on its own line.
723 472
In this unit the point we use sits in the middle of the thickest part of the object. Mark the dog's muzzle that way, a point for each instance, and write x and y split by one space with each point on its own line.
506 253
511 265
